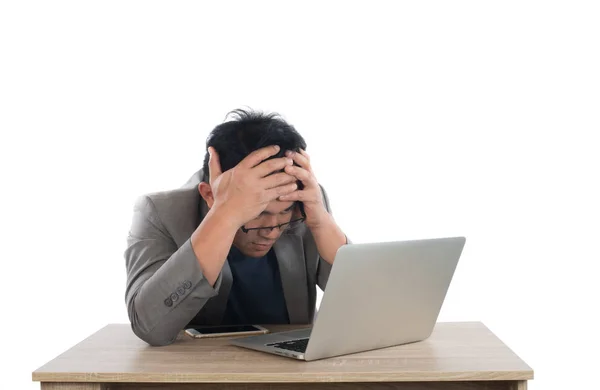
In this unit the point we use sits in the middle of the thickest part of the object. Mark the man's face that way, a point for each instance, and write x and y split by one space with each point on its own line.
257 243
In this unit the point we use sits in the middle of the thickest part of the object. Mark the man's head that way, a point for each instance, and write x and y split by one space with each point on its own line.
233 141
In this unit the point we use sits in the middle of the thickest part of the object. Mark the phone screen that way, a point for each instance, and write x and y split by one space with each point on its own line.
225 329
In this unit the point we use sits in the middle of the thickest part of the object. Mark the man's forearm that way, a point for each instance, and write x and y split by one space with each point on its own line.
212 241
329 238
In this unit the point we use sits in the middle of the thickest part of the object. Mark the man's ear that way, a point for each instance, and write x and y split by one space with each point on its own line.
206 193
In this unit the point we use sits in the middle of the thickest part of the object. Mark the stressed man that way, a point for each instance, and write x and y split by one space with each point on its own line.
245 241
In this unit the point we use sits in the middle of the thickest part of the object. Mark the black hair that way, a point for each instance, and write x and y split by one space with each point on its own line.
248 131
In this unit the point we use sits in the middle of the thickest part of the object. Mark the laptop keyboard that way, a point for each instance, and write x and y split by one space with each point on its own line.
298 345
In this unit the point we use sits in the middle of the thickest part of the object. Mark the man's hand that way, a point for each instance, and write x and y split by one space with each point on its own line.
310 196
248 188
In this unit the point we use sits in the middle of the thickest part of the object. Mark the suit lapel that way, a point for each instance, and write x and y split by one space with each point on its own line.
292 269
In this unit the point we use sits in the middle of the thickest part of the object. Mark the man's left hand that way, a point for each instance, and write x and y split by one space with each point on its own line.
310 196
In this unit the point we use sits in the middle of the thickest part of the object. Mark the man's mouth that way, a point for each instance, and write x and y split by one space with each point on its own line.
262 245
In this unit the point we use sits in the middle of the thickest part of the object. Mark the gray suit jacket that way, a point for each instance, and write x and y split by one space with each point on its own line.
166 290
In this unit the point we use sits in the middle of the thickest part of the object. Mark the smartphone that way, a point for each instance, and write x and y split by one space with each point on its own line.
200 332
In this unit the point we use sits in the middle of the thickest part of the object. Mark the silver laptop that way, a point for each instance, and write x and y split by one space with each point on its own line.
378 295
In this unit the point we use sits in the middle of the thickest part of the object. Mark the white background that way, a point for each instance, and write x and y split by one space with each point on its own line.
423 120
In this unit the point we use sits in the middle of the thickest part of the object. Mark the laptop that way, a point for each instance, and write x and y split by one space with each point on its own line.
378 295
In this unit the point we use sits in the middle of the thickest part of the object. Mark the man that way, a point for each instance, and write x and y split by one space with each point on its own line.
245 241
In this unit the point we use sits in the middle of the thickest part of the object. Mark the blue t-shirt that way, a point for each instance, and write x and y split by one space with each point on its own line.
256 295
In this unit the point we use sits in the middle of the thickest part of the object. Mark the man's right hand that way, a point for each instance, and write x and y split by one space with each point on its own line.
248 187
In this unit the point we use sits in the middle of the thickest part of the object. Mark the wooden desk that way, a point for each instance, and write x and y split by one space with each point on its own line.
456 356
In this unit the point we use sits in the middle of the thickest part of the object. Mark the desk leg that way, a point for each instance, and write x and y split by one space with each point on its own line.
519 385
72 386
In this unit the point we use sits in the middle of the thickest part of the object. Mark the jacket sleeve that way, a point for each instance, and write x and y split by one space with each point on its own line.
324 268
165 285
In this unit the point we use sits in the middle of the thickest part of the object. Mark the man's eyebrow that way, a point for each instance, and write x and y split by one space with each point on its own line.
281 212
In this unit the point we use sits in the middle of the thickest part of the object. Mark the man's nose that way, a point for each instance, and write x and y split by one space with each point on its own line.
271 234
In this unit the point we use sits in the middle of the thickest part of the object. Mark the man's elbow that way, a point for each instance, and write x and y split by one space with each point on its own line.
153 335
154 338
